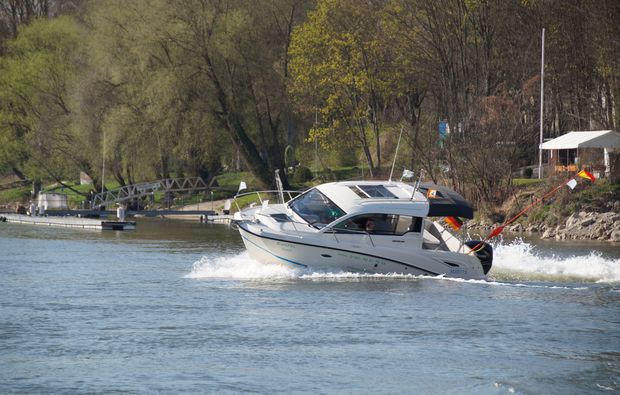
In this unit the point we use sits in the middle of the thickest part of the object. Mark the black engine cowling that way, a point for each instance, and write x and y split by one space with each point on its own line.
484 253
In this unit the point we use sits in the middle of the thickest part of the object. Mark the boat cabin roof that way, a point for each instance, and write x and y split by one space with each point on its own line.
375 196
395 198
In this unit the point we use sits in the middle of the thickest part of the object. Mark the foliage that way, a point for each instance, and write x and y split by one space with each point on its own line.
12 195
340 70
154 88
232 180
302 174
35 114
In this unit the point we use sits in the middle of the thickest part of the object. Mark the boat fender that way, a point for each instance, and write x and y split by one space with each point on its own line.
484 253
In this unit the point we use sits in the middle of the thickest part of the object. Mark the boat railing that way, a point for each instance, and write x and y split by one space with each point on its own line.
387 200
349 231
261 198
288 221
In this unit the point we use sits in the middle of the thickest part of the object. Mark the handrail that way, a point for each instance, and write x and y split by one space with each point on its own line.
329 229
266 191
291 221
288 192
389 200
132 191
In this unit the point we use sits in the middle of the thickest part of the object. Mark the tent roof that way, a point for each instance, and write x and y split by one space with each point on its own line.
572 140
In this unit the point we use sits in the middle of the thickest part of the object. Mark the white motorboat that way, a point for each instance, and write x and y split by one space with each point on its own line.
365 227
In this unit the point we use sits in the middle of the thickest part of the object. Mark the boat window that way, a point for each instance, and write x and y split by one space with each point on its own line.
316 209
377 191
358 192
380 224
280 217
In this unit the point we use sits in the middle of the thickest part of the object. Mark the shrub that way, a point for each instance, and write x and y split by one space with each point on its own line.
302 174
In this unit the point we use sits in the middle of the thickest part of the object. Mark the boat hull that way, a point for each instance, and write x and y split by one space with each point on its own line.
301 253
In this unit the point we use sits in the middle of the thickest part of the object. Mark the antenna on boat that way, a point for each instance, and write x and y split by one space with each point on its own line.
395 154
417 184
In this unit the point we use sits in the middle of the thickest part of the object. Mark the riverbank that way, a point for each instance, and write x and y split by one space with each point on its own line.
591 212
578 226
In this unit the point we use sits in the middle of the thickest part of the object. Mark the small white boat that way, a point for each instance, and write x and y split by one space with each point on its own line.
365 227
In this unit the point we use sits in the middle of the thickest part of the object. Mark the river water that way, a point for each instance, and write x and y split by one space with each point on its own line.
179 307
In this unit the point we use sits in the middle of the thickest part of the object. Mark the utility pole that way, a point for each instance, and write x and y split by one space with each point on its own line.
103 163
542 91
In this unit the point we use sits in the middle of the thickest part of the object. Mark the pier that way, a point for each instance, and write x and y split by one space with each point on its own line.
69 222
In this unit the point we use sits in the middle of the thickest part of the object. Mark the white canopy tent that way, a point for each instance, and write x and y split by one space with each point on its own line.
572 140
607 140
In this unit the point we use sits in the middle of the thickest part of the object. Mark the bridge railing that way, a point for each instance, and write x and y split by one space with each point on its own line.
130 192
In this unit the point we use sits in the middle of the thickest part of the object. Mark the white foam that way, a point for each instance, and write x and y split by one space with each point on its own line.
238 267
521 260
516 262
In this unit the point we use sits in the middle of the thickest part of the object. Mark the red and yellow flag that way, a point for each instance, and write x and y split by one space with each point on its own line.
454 222
586 175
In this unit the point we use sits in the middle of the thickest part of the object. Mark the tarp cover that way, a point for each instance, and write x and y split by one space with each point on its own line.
572 140
446 202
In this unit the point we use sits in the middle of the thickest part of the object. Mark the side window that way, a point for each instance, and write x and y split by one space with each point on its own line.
380 224
352 225
408 224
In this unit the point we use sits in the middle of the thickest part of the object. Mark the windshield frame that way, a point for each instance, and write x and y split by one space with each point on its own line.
316 217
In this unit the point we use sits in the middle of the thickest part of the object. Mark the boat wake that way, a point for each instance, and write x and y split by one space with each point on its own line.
519 260
514 261
239 267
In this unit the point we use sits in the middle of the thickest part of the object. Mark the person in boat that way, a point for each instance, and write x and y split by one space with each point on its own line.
370 225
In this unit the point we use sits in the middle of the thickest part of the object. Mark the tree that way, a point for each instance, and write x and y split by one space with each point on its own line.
239 59
340 68
184 77
34 102
143 111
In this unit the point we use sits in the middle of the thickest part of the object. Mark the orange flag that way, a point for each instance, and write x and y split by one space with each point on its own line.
586 175
454 222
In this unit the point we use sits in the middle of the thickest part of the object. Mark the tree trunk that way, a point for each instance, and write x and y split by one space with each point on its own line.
18 173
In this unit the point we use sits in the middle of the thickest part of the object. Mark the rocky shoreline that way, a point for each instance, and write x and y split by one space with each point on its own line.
578 226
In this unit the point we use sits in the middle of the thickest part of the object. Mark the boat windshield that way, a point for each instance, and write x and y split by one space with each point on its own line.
316 209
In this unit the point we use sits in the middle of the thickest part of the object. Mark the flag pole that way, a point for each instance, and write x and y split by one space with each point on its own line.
542 91
571 183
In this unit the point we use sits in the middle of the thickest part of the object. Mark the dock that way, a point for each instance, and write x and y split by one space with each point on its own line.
223 218
68 222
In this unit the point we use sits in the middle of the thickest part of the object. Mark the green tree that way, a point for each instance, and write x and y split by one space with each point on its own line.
341 68
35 112
143 111
183 79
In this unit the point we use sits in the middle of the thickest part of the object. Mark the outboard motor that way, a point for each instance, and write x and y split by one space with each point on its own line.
484 253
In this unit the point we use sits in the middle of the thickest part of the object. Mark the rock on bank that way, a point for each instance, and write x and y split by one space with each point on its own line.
587 226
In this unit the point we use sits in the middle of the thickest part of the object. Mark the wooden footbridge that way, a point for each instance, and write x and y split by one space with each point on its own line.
135 191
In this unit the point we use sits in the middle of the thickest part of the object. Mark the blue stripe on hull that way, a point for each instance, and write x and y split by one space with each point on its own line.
272 254
330 248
